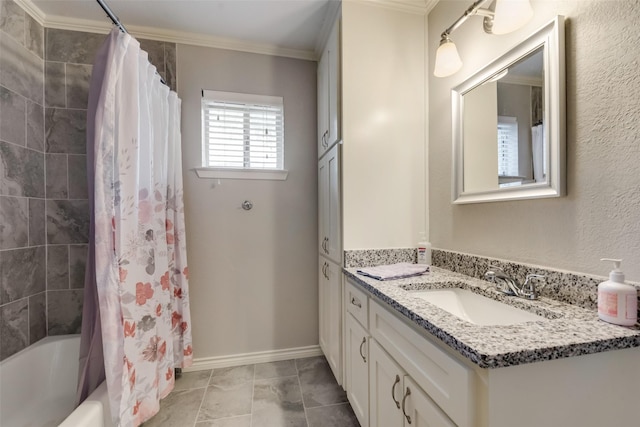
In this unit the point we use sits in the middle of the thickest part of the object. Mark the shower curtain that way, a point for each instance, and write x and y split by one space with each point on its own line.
539 153
137 268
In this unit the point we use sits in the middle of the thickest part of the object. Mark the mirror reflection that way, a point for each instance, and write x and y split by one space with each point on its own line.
508 120
503 128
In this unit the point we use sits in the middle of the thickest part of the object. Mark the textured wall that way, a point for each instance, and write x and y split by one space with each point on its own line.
383 127
600 216
253 274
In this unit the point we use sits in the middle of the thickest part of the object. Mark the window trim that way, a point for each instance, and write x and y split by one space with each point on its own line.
213 172
229 173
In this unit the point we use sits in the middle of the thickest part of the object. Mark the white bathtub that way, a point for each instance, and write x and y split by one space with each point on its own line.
38 388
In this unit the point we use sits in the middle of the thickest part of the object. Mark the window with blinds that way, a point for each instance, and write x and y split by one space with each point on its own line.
242 131
508 146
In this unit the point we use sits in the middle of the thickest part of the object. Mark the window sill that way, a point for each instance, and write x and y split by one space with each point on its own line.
259 174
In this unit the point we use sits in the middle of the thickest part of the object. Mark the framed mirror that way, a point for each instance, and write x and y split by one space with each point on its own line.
509 124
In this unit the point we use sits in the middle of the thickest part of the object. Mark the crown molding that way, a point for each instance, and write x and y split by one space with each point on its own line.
333 13
419 7
430 4
195 39
32 9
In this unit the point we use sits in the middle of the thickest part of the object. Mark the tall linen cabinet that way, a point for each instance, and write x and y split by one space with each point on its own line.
372 179
329 203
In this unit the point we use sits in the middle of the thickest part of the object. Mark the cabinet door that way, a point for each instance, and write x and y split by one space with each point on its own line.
329 213
357 369
323 305
333 206
419 410
323 206
334 321
333 47
448 382
385 377
323 103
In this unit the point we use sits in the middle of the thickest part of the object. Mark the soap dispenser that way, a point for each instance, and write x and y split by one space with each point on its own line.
424 250
617 301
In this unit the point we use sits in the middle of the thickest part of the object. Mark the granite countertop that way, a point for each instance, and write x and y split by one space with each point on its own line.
565 331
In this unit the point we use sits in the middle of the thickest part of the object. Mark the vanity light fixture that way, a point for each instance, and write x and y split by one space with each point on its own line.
498 76
447 59
509 15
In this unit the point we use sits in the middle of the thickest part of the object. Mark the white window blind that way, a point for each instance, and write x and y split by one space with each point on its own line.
242 131
507 146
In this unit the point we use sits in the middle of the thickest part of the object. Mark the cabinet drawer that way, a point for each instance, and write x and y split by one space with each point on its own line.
447 381
356 302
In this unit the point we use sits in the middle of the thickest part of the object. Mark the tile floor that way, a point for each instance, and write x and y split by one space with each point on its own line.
291 393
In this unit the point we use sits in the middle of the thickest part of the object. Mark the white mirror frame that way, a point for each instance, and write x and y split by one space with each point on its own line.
551 36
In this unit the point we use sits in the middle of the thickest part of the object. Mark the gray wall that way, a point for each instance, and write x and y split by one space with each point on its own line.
253 274
44 217
600 216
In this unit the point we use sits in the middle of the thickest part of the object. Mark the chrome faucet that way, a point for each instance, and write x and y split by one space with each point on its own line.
509 286
529 288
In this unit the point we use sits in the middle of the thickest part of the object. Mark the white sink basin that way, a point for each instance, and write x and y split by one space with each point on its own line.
475 308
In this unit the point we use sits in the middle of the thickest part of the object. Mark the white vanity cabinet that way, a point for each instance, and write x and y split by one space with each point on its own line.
330 314
329 92
356 381
357 368
447 382
396 399
416 380
396 377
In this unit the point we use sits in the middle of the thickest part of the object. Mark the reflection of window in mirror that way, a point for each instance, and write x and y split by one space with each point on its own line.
508 170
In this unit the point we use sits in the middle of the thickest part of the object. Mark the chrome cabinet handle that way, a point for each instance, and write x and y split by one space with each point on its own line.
324 266
404 399
326 246
393 392
364 341
356 302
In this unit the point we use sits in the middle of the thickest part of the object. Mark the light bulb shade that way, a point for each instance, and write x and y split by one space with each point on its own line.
511 15
447 59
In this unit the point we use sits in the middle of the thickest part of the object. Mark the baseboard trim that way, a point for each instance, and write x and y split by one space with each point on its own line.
204 363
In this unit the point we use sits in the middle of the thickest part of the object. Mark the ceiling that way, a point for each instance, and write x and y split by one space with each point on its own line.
291 27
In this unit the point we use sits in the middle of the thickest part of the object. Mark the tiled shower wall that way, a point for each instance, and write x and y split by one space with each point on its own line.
22 181
44 212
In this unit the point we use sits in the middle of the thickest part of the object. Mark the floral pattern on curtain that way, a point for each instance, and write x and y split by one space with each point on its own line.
140 247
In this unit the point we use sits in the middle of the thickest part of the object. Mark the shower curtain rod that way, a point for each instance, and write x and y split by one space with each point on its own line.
117 23
112 16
